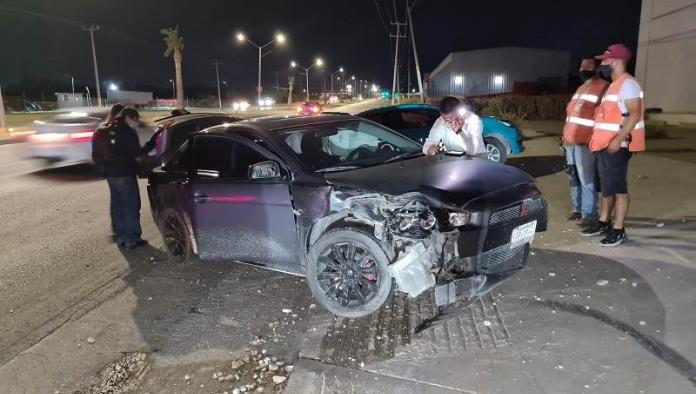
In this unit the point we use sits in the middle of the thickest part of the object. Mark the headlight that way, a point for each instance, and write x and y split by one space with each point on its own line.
458 219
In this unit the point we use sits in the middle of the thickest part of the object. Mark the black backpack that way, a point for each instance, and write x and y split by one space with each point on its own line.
104 144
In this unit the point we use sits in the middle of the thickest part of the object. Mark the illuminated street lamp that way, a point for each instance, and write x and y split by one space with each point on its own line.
279 38
318 62
340 70
113 86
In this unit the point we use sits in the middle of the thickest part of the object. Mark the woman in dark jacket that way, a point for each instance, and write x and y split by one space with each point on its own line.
115 147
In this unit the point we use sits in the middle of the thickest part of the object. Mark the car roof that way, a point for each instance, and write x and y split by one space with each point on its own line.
400 106
174 120
280 122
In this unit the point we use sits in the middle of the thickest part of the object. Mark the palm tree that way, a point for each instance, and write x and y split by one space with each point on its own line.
291 83
175 45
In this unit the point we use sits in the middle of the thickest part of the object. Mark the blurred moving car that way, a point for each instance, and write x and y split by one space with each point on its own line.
240 105
354 207
66 139
266 102
414 121
309 108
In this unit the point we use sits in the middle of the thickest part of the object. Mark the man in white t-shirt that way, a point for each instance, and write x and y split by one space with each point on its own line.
458 129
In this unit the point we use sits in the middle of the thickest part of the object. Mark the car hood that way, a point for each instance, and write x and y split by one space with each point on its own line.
446 181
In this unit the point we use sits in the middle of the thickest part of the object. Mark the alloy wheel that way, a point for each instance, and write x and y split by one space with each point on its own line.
348 274
493 152
174 235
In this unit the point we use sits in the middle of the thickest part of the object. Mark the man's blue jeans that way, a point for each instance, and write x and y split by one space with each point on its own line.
581 171
125 208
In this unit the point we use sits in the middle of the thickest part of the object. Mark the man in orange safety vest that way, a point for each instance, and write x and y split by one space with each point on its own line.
618 132
577 133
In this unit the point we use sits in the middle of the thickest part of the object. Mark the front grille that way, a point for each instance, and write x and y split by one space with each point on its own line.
525 208
494 260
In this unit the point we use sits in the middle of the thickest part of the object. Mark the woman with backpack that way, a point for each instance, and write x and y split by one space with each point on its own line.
115 147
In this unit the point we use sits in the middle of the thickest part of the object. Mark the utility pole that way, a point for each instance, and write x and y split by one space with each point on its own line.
217 64
415 52
396 56
3 124
92 29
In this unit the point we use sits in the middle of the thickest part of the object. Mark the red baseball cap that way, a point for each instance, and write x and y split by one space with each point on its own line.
616 51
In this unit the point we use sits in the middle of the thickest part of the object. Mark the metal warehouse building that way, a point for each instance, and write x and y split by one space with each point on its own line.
500 70
666 61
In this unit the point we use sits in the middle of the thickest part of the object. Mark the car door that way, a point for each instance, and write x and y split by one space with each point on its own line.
233 216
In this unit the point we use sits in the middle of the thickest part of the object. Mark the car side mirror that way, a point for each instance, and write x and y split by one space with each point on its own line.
265 170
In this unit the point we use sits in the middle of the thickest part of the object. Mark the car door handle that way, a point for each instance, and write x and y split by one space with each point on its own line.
200 198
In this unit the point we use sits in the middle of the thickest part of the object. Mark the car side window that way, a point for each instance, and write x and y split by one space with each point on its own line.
220 157
416 119
180 133
181 162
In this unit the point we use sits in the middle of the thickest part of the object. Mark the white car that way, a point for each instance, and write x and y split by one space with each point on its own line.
66 139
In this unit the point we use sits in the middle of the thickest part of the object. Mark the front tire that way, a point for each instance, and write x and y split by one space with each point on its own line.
496 150
348 273
176 236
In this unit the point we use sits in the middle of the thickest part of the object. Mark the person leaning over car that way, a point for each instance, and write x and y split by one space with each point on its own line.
115 147
577 132
458 129
619 130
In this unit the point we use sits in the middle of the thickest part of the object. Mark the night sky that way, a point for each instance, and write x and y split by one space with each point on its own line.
47 41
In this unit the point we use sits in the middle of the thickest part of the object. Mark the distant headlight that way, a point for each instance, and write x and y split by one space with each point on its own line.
458 219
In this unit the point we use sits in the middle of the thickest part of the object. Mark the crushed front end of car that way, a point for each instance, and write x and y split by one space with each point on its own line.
461 251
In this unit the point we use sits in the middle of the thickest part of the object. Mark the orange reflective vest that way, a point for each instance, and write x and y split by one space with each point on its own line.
581 110
609 120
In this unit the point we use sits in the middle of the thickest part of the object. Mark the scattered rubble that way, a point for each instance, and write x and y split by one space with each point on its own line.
602 282
91 340
121 376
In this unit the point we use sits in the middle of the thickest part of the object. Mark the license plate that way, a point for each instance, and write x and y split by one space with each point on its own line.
523 234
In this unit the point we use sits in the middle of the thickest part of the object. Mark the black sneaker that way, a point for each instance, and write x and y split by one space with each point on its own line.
575 216
587 222
615 237
598 228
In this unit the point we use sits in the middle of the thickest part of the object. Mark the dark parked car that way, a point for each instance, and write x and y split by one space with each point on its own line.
351 205
414 121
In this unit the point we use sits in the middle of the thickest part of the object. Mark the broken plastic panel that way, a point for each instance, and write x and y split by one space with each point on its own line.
411 273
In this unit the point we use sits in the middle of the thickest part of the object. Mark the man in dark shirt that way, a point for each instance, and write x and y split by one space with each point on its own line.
115 147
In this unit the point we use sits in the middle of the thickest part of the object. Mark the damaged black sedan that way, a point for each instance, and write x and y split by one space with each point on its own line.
354 207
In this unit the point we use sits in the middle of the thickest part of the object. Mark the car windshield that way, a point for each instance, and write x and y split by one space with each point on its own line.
345 145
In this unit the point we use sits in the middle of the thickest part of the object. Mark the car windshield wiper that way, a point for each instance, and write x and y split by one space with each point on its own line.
404 155
338 168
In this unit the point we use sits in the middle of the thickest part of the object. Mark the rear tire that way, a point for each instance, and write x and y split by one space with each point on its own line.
348 273
496 150
176 236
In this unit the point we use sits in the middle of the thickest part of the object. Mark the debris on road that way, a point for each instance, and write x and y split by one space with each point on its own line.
91 340
278 379
602 282
121 376
286 310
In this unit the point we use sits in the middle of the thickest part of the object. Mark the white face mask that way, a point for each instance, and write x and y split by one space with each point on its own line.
133 125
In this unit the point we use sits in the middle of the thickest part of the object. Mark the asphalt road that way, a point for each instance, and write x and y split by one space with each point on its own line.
556 327
58 251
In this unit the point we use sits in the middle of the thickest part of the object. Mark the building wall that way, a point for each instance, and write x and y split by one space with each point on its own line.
496 70
666 58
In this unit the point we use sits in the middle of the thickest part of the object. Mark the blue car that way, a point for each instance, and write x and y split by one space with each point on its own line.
414 121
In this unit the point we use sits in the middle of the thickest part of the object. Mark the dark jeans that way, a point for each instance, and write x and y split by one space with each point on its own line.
125 208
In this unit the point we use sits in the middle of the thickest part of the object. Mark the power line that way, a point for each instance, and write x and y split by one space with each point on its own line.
381 18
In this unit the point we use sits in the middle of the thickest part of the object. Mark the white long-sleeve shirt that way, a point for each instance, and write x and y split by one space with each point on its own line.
470 140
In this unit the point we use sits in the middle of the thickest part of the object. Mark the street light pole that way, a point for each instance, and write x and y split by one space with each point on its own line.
72 83
279 38
340 70
217 63
317 62
92 29
173 88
